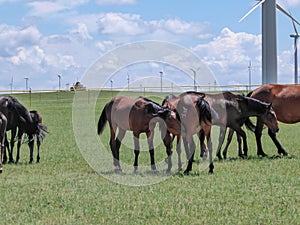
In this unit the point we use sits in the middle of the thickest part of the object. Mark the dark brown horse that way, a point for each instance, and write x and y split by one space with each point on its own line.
138 115
285 100
195 115
233 111
37 130
15 113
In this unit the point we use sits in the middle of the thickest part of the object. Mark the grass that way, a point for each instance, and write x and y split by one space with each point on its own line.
64 189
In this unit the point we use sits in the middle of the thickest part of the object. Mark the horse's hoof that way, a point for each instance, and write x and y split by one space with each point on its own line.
186 172
210 172
1 170
262 154
118 170
155 171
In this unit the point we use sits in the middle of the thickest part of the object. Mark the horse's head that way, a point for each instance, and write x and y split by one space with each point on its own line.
270 119
171 119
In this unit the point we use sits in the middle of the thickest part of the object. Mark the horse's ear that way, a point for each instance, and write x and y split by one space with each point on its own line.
269 106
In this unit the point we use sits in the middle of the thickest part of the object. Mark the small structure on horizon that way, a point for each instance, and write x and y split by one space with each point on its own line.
78 86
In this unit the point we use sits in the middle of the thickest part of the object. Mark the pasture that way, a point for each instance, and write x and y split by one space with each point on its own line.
64 189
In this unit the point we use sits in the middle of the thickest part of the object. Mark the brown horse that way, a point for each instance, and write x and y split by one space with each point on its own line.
195 115
138 115
285 100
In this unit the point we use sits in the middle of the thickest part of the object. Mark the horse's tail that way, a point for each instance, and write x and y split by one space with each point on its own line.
19 109
250 125
102 120
205 113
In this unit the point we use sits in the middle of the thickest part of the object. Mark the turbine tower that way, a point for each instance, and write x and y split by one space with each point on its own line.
295 36
269 38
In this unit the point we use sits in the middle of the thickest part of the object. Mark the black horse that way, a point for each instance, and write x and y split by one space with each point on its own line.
37 130
237 110
17 116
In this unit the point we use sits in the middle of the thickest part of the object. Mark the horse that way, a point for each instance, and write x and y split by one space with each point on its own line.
37 131
14 112
285 100
237 110
138 115
195 115
3 123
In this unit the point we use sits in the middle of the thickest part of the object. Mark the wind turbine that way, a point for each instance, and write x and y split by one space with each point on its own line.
295 36
269 38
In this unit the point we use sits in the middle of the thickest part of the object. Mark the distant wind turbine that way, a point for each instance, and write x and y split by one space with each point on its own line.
295 36
269 38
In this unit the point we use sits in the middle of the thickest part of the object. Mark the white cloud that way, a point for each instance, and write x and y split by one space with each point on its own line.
115 2
82 32
12 37
119 23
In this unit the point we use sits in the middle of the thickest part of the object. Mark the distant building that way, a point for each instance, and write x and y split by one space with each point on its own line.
77 86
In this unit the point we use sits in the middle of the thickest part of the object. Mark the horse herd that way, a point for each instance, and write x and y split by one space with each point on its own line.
15 117
194 113
181 117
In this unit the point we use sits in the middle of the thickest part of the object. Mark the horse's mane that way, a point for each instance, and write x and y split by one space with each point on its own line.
192 92
168 97
156 106
14 105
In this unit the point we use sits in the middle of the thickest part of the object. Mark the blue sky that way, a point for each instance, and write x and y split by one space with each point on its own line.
39 39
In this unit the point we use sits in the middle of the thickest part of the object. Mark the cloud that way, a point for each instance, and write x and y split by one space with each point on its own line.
82 32
120 23
11 38
115 2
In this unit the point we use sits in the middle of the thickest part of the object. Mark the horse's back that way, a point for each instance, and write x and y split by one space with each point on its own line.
285 100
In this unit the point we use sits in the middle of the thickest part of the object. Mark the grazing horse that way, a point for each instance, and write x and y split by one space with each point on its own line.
35 130
14 112
195 115
138 115
237 109
3 123
285 100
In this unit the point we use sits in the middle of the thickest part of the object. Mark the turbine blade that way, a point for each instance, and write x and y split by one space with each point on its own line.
251 10
294 25
286 13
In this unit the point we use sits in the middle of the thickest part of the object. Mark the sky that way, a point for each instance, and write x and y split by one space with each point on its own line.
41 39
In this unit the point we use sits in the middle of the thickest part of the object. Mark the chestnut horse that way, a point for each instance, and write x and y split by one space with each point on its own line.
285 100
195 115
138 115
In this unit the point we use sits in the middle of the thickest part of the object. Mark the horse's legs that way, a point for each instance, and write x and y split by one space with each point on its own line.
18 148
178 150
168 144
229 138
31 147
6 146
38 143
239 141
120 137
276 142
113 146
191 147
258 134
221 140
150 135
12 144
136 137
242 133
211 164
202 144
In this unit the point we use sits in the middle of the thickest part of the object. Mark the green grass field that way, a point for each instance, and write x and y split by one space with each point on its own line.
64 189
